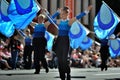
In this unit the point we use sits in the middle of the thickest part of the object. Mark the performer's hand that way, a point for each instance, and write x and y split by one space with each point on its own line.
92 32
43 10
59 10
89 7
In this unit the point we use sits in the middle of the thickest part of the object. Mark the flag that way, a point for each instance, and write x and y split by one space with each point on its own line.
114 47
75 43
6 26
105 22
50 39
86 43
77 33
22 12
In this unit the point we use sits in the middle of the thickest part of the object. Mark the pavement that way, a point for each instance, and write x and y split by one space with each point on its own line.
76 74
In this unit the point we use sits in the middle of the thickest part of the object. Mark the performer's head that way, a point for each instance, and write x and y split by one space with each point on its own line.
41 18
64 13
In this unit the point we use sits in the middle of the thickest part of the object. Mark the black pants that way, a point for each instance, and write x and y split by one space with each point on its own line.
104 52
27 56
39 45
61 50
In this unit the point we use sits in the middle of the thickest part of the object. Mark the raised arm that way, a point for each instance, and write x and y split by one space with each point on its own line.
52 17
33 24
80 15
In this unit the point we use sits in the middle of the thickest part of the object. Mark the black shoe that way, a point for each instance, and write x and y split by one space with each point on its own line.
106 67
36 72
102 67
46 70
68 77
62 78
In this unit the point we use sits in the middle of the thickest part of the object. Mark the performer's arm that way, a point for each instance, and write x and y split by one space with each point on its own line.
32 24
52 17
56 14
80 15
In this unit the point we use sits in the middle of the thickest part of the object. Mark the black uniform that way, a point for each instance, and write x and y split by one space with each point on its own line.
27 56
104 51
61 49
39 47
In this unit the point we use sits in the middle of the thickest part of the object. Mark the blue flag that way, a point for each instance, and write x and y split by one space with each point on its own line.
74 43
105 22
77 34
86 43
114 47
22 12
6 26
50 39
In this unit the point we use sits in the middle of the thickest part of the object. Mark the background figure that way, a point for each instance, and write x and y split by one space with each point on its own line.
104 54
27 56
14 46
39 45
62 43
4 57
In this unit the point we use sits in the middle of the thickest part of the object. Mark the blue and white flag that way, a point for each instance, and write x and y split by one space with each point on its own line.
6 26
77 34
86 43
114 47
50 39
75 43
22 12
105 22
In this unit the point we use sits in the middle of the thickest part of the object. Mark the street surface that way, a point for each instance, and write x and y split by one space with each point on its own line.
76 74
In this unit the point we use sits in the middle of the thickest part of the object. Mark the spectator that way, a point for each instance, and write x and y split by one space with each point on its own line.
14 47
3 58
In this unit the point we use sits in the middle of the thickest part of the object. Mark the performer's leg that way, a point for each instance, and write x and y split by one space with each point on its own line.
36 63
44 62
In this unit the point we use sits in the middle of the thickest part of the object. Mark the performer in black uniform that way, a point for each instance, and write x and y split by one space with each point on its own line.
62 43
104 53
39 45
27 56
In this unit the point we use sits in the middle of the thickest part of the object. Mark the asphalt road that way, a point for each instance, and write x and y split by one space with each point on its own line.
76 74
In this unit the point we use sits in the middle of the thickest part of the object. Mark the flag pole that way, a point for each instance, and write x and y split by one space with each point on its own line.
21 33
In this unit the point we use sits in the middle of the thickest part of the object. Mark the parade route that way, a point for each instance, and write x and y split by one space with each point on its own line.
76 74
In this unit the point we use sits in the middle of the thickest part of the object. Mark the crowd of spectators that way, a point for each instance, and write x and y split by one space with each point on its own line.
91 58
81 59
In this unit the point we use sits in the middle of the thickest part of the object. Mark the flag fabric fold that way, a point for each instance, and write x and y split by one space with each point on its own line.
6 26
76 34
23 6
105 22
50 39
22 12
86 43
114 47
